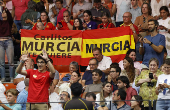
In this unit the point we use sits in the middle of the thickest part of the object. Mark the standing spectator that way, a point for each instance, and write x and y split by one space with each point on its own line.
11 97
152 46
78 25
108 5
97 11
140 2
121 6
135 10
79 8
2 95
136 102
147 82
76 102
6 43
88 23
59 4
18 8
40 7
44 78
164 26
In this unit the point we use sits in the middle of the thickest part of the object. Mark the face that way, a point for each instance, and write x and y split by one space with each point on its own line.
74 77
145 9
93 64
120 84
90 99
115 96
13 28
29 64
72 68
59 5
108 88
11 98
4 15
133 102
163 14
97 5
126 64
40 26
86 17
104 19
132 55
153 67
98 55
66 16
44 17
151 26
166 68
64 97
76 23
113 73
127 18
96 77
81 1
41 65
134 3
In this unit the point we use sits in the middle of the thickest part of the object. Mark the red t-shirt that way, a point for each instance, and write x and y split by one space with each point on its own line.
136 28
50 26
130 92
38 86
110 25
64 24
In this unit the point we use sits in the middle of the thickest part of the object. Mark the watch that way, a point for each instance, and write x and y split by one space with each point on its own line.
150 44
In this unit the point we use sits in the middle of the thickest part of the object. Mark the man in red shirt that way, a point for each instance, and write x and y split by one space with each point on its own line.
123 82
59 4
39 80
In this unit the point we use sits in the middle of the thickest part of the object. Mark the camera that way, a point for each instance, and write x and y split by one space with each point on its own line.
151 77
60 24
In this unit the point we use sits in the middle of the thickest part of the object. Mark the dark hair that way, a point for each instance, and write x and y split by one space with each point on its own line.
164 8
48 20
155 22
39 57
98 71
80 24
40 7
89 13
105 14
76 89
97 1
49 1
167 61
74 63
67 93
97 62
77 73
121 93
114 64
97 49
31 5
61 1
129 51
90 94
149 8
138 99
154 59
118 69
67 12
131 68
125 80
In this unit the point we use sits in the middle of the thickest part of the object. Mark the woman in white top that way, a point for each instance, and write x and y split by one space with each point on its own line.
105 95
132 54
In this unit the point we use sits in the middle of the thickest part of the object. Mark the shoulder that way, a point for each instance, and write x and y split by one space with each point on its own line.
106 58
87 72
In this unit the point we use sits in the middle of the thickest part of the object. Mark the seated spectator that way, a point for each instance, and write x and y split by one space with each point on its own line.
2 95
67 23
147 82
105 22
105 94
31 14
87 77
11 97
96 87
136 102
123 83
78 24
90 96
131 53
22 96
45 20
79 8
118 101
88 23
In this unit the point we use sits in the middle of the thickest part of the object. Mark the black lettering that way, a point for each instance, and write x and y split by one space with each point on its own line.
69 55
27 46
113 46
34 55
126 45
50 45
58 46
54 55
89 49
49 37
68 47
75 46
64 37
63 55
106 47
55 36
58 56
120 45
69 37
36 36
59 37
36 46
42 37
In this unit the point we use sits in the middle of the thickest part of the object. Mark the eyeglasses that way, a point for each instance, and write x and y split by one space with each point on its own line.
64 95
166 67
125 16
92 64
144 19
112 71
40 62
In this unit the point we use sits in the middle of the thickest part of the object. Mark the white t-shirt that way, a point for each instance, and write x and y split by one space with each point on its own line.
137 65
104 64
21 85
109 98
160 80
2 90
53 20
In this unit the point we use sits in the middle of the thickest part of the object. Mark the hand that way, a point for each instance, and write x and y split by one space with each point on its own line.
85 25
132 27
52 16
162 27
0 102
28 21
3 4
59 26
44 56
146 41
141 40
148 79
79 12
24 56
65 19
164 85
139 28
13 38
155 77
99 19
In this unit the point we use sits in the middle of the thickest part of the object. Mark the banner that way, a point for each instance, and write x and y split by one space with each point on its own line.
64 46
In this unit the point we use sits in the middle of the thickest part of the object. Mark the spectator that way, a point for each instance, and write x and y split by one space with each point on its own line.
22 97
2 90
30 14
45 20
162 87
87 77
121 6
65 24
40 26
164 26
88 23
105 94
6 43
76 102
104 62
123 82
135 10
147 82
59 4
152 46
41 88
11 97
108 5
18 8
119 103
97 84
136 102
140 2
90 96
105 22
40 7
97 11
131 53
78 25
127 16
79 8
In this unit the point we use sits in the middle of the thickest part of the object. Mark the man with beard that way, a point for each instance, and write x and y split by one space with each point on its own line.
152 46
